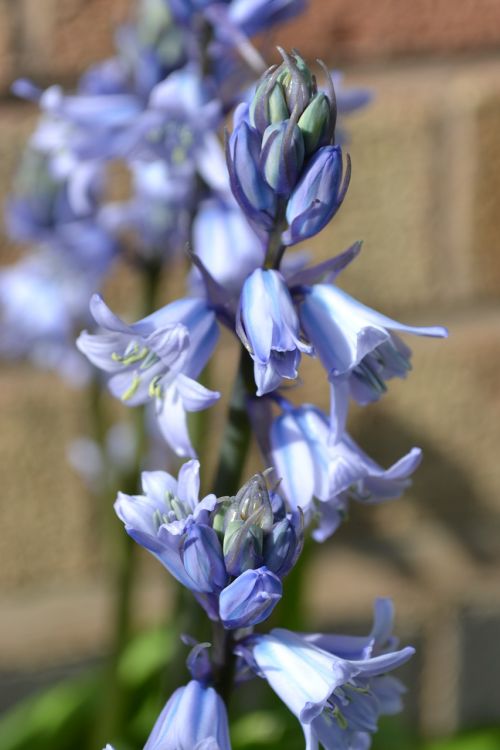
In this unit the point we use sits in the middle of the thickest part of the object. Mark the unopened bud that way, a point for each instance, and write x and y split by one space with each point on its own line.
297 81
247 519
315 122
282 156
249 599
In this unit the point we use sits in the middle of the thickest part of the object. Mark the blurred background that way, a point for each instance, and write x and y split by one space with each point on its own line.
425 198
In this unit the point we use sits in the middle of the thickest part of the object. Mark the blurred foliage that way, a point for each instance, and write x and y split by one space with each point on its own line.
62 717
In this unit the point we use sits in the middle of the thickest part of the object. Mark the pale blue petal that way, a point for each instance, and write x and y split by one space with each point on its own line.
171 416
194 395
157 484
105 318
188 484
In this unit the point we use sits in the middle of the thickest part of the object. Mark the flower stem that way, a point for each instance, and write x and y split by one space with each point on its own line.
224 662
275 247
237 434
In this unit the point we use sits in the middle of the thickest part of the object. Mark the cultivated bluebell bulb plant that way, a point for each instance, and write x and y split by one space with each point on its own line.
232 212
289 176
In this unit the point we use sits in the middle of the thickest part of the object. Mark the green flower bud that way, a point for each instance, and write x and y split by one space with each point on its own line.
315 122
268 105
298 82
246 521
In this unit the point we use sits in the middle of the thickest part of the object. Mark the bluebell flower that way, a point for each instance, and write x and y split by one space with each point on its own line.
268 326
356 345
162 521
250 598
43 302
249 16
333 696
284 170
254 16
226 245
219 549
317 196
386 690
98 125
181 115
257 530
249 187
322 476
194 718
158 214
157 358
147 50
52 189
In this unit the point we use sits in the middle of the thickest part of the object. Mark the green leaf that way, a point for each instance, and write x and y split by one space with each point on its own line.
145 655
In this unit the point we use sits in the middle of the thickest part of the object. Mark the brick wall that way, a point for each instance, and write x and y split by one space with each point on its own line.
425 198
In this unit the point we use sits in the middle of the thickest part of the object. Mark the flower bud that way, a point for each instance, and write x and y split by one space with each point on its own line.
243 545
202 558
317 196
284 544
249 516
249 188
249 599
297 81
268 105
253 501
315 123
282 156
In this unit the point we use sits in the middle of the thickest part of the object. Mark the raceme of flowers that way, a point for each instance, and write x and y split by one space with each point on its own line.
158 106
288 178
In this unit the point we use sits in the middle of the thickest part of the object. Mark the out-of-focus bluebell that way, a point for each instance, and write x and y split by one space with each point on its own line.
250 598
43 302
194 718
226 245
268 326
249 16
147 50
334 696
161 519
321 476
182 114
158 215
355 344
55 194
157 358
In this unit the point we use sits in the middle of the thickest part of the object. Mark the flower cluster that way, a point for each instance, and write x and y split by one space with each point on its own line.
158 106
231 552
288 179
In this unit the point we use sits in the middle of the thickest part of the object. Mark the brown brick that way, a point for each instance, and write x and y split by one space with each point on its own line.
46 513
343 29
390 202
8 17
486 200
63 39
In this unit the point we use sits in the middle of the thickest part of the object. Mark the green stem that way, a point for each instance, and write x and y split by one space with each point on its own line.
224 662
237 434
275 248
